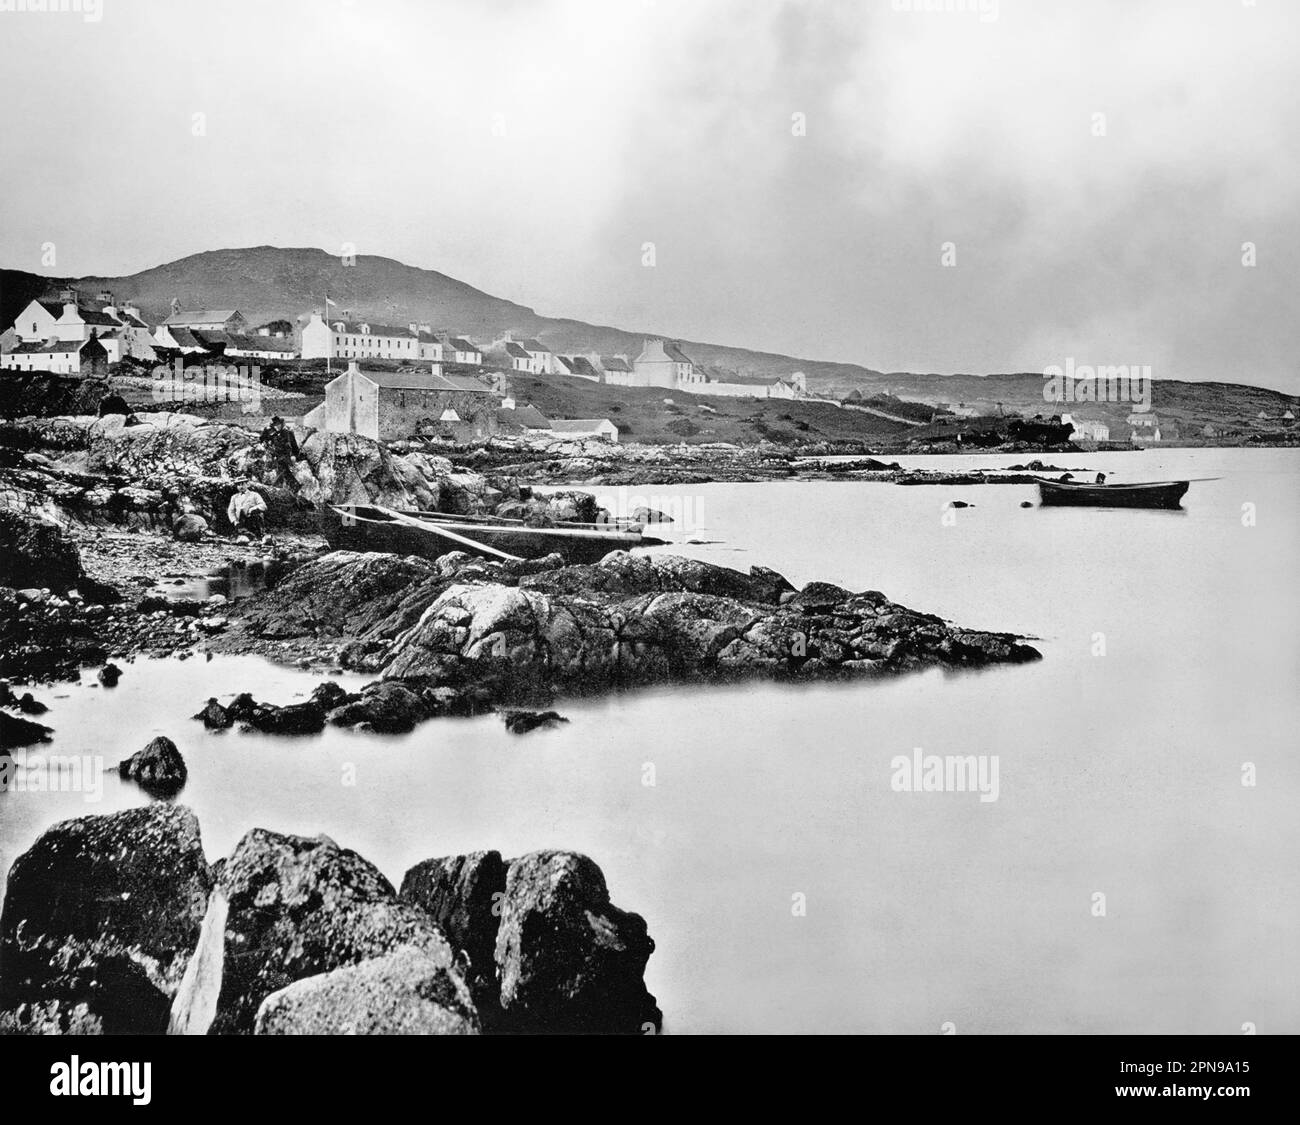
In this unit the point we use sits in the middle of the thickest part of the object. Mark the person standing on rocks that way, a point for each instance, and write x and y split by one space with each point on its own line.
281 449
247 510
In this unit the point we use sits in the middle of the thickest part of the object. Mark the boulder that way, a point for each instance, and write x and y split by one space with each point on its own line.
289 907
36 553
109 675
387 707
462 894
158 769
105 911
568 960
405 992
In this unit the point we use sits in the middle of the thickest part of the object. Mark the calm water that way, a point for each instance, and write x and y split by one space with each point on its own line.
1120 774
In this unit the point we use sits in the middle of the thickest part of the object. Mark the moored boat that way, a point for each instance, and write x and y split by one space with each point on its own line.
1157 494
364 527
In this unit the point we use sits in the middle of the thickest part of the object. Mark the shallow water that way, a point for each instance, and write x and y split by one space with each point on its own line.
1119 774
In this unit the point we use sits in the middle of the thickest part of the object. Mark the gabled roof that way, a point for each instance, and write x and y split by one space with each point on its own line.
255 343
423 381
51 347
676 354
517 351
201 316
54 308
534 346
93 316
529 417
583 366
185 338
462 345
613 363
131 321
353 328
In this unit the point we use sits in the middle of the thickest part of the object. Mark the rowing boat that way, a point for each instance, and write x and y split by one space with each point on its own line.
371 527
1157 494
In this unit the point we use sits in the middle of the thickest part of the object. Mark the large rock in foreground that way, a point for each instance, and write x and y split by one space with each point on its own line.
567 959
286 908
104 912
406 992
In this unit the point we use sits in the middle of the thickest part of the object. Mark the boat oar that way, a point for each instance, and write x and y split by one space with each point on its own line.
434 529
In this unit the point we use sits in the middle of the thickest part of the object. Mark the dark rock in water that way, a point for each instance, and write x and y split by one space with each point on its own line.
461 893
158 769
105 911
568 960
36 553
20 732
959 504
214 716
521 722
30 706
293 718
650 515
241 708
1026 504
288 907
388 707
329 695
405 992
109 675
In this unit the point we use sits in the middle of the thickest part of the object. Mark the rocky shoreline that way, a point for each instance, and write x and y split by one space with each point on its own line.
297 935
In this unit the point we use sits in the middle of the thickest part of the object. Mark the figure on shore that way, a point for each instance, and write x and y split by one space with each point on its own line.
1101 478
114 403
281 450
246 510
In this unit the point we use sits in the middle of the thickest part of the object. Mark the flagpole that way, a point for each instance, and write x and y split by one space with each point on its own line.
329 335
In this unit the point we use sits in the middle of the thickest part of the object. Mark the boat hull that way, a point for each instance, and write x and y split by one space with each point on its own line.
1166 494
358 528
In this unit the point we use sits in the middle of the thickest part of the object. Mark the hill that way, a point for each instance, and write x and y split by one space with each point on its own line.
267 282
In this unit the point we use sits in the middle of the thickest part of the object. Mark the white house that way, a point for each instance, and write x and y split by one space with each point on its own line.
361 339
1087 429
462 350
663 364
524 361
210 320
35 324
60 357
541 356
578 429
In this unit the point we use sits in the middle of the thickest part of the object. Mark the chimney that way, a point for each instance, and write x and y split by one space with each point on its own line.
132 310
105 297
413 328
353 369
69 307
68 295
425 328
508 403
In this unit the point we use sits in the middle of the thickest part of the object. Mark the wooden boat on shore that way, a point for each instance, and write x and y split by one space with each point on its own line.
365 527
1158 494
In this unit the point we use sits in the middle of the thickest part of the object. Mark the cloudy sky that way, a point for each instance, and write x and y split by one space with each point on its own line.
1096 166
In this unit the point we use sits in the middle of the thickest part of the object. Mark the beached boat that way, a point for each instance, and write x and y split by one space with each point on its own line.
363 527
1159 494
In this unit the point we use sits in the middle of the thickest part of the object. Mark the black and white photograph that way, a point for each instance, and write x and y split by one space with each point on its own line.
649 518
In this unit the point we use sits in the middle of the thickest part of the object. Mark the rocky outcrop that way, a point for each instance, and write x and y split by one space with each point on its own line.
16 732
158 769
286 908
104 911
